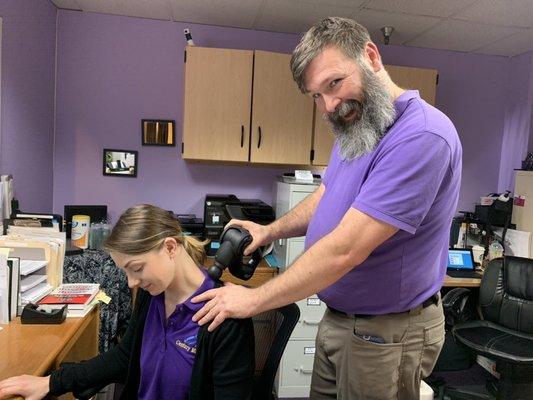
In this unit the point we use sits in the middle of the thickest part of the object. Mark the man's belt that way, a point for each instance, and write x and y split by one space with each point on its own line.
433 299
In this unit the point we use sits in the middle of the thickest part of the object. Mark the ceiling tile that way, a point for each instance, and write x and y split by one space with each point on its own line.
461 35
510 46
158 9
67 4
236 13
332 4
435 8
508 12
482 26
297 16
405 26
102 6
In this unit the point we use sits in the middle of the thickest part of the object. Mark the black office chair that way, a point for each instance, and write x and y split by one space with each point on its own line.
506 333
272 331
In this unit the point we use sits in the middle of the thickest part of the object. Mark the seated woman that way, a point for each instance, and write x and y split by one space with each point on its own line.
163 354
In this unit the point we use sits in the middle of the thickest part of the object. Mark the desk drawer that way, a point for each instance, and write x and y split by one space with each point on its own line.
296 368
297 197
311 311
295 247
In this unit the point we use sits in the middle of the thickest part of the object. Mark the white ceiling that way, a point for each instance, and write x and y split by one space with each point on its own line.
497 27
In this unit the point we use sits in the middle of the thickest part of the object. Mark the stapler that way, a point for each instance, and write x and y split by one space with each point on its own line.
34 314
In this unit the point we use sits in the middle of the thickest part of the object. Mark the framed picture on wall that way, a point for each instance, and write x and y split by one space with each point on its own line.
158 132
120 163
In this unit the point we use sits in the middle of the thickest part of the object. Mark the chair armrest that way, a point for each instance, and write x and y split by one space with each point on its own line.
88 393
458 306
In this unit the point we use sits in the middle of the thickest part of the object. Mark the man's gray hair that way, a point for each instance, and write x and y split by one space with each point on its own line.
345 34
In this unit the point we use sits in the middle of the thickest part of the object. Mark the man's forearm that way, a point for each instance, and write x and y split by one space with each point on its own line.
295 222
326 261
305 277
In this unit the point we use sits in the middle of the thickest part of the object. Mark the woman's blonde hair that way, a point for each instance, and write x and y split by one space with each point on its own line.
143 228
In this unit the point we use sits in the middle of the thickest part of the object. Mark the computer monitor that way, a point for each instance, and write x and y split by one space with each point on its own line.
97 213
461 259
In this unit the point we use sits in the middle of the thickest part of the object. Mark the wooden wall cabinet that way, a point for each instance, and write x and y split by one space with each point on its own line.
421 79
218 93
282 118
243 106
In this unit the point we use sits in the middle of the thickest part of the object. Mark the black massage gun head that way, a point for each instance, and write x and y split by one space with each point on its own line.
233 241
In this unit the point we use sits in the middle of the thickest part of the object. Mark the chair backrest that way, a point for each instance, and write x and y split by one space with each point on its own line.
506 293
272 331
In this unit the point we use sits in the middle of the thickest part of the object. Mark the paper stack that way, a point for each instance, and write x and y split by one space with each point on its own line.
38 244
33 281
41 253
77 296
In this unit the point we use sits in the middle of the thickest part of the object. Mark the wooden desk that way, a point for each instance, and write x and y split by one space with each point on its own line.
39 349
461 282
262 274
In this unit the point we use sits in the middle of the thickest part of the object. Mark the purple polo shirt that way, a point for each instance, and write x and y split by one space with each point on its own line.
410 181
169 348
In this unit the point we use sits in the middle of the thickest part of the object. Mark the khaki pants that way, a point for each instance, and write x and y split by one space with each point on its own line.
348 367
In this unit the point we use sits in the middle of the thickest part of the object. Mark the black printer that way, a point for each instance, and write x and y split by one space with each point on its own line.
219 209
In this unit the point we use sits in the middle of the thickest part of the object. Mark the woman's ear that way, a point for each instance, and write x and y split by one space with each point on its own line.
171 247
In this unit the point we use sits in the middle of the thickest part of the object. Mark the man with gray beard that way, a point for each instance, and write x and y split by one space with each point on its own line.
374 114
376 229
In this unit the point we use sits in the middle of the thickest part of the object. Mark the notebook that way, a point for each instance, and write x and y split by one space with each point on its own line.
461 264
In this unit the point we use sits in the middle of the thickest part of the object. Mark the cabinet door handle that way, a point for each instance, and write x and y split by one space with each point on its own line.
242 135
259 141
301 370
310 321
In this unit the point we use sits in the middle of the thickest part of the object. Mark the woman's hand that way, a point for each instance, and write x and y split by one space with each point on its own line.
28 386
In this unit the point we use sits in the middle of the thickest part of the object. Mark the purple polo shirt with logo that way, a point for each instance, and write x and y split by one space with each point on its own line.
410 181
169 348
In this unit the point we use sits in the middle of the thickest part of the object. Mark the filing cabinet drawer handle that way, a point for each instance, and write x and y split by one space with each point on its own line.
302 370
259 141
242 135
310 321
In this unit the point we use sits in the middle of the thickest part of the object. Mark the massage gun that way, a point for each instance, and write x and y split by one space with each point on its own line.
233 241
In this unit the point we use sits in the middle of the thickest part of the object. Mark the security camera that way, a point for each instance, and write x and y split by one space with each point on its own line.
387 32
188 37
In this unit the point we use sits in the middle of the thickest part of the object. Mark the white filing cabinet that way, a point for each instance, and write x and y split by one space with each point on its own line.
288 195
294 374
523 211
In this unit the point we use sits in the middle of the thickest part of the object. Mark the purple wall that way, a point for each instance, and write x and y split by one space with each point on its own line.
530 139
517 122
113 71
27 114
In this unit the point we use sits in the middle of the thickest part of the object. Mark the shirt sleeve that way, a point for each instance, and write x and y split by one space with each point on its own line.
405 180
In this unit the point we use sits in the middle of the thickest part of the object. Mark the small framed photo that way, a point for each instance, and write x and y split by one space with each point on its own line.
120 163
158 132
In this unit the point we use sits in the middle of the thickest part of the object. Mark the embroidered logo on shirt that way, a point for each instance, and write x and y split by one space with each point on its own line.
190 341
189 344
